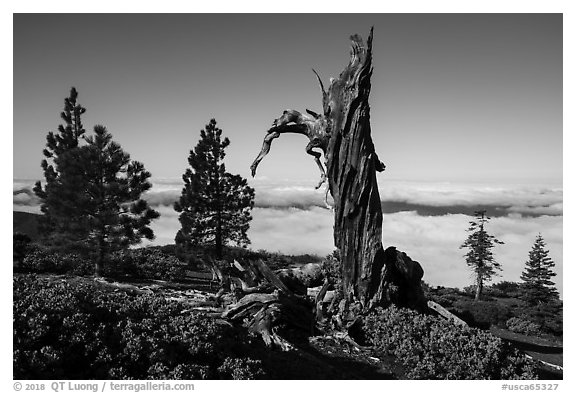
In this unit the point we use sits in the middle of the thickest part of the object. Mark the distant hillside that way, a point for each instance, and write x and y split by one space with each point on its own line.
26 223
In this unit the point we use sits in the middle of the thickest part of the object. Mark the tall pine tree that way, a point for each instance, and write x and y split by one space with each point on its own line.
538 288
61 220
479 256
113 210
215 206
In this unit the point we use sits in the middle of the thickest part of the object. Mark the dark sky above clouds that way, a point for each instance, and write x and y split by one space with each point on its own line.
455 97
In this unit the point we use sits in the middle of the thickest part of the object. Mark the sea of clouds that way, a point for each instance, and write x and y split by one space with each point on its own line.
426 220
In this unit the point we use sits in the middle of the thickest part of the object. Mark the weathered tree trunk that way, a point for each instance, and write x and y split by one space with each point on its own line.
479 287
351 167
371 276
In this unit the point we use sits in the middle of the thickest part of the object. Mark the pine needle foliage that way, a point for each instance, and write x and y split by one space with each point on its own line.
60 222
92 196
538 286
479 256
215 206
114 211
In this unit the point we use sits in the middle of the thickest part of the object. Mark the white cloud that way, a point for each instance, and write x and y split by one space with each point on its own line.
162 198
530 200
19 184
26 208
448 194
165 227
281 194
295 196
25 199
293 231
527 199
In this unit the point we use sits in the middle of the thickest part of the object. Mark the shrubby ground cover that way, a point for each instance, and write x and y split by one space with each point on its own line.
432 348
503 306
77 330
145 263
73 328
160 262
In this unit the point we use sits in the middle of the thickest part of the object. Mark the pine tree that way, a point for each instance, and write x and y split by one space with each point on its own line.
61 215
91 201
479 256
112 207
538 288
215 205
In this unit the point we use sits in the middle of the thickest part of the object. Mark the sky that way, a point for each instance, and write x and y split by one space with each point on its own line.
475 97
466 113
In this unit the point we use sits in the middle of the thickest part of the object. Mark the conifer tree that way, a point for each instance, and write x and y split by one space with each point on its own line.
215 206
112 207
92 197
60 221
479 256
538 288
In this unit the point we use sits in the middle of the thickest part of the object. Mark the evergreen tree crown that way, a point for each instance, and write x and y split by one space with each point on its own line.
214 206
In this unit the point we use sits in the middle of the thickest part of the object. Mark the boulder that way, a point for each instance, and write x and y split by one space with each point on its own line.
299 279
401 281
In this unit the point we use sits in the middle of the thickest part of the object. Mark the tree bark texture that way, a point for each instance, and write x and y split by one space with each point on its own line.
351 169
371 276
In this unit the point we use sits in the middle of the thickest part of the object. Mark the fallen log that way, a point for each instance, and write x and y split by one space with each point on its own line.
268 313
270 276
269 306
445 313
129 288
243 307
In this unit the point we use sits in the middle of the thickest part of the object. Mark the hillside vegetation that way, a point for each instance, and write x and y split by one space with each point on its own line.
66 325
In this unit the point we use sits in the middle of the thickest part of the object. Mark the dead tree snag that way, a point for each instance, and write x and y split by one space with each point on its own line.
371 276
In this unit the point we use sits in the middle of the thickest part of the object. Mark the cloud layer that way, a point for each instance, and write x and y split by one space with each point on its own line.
434 241
425 198
293 220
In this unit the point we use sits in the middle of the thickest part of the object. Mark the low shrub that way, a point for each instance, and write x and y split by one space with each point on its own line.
548 316
44 260
151 263
75 330
433 348
274 260
504 289
241 368
482 313
444 298
469 290
331 268
21 246
522 326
